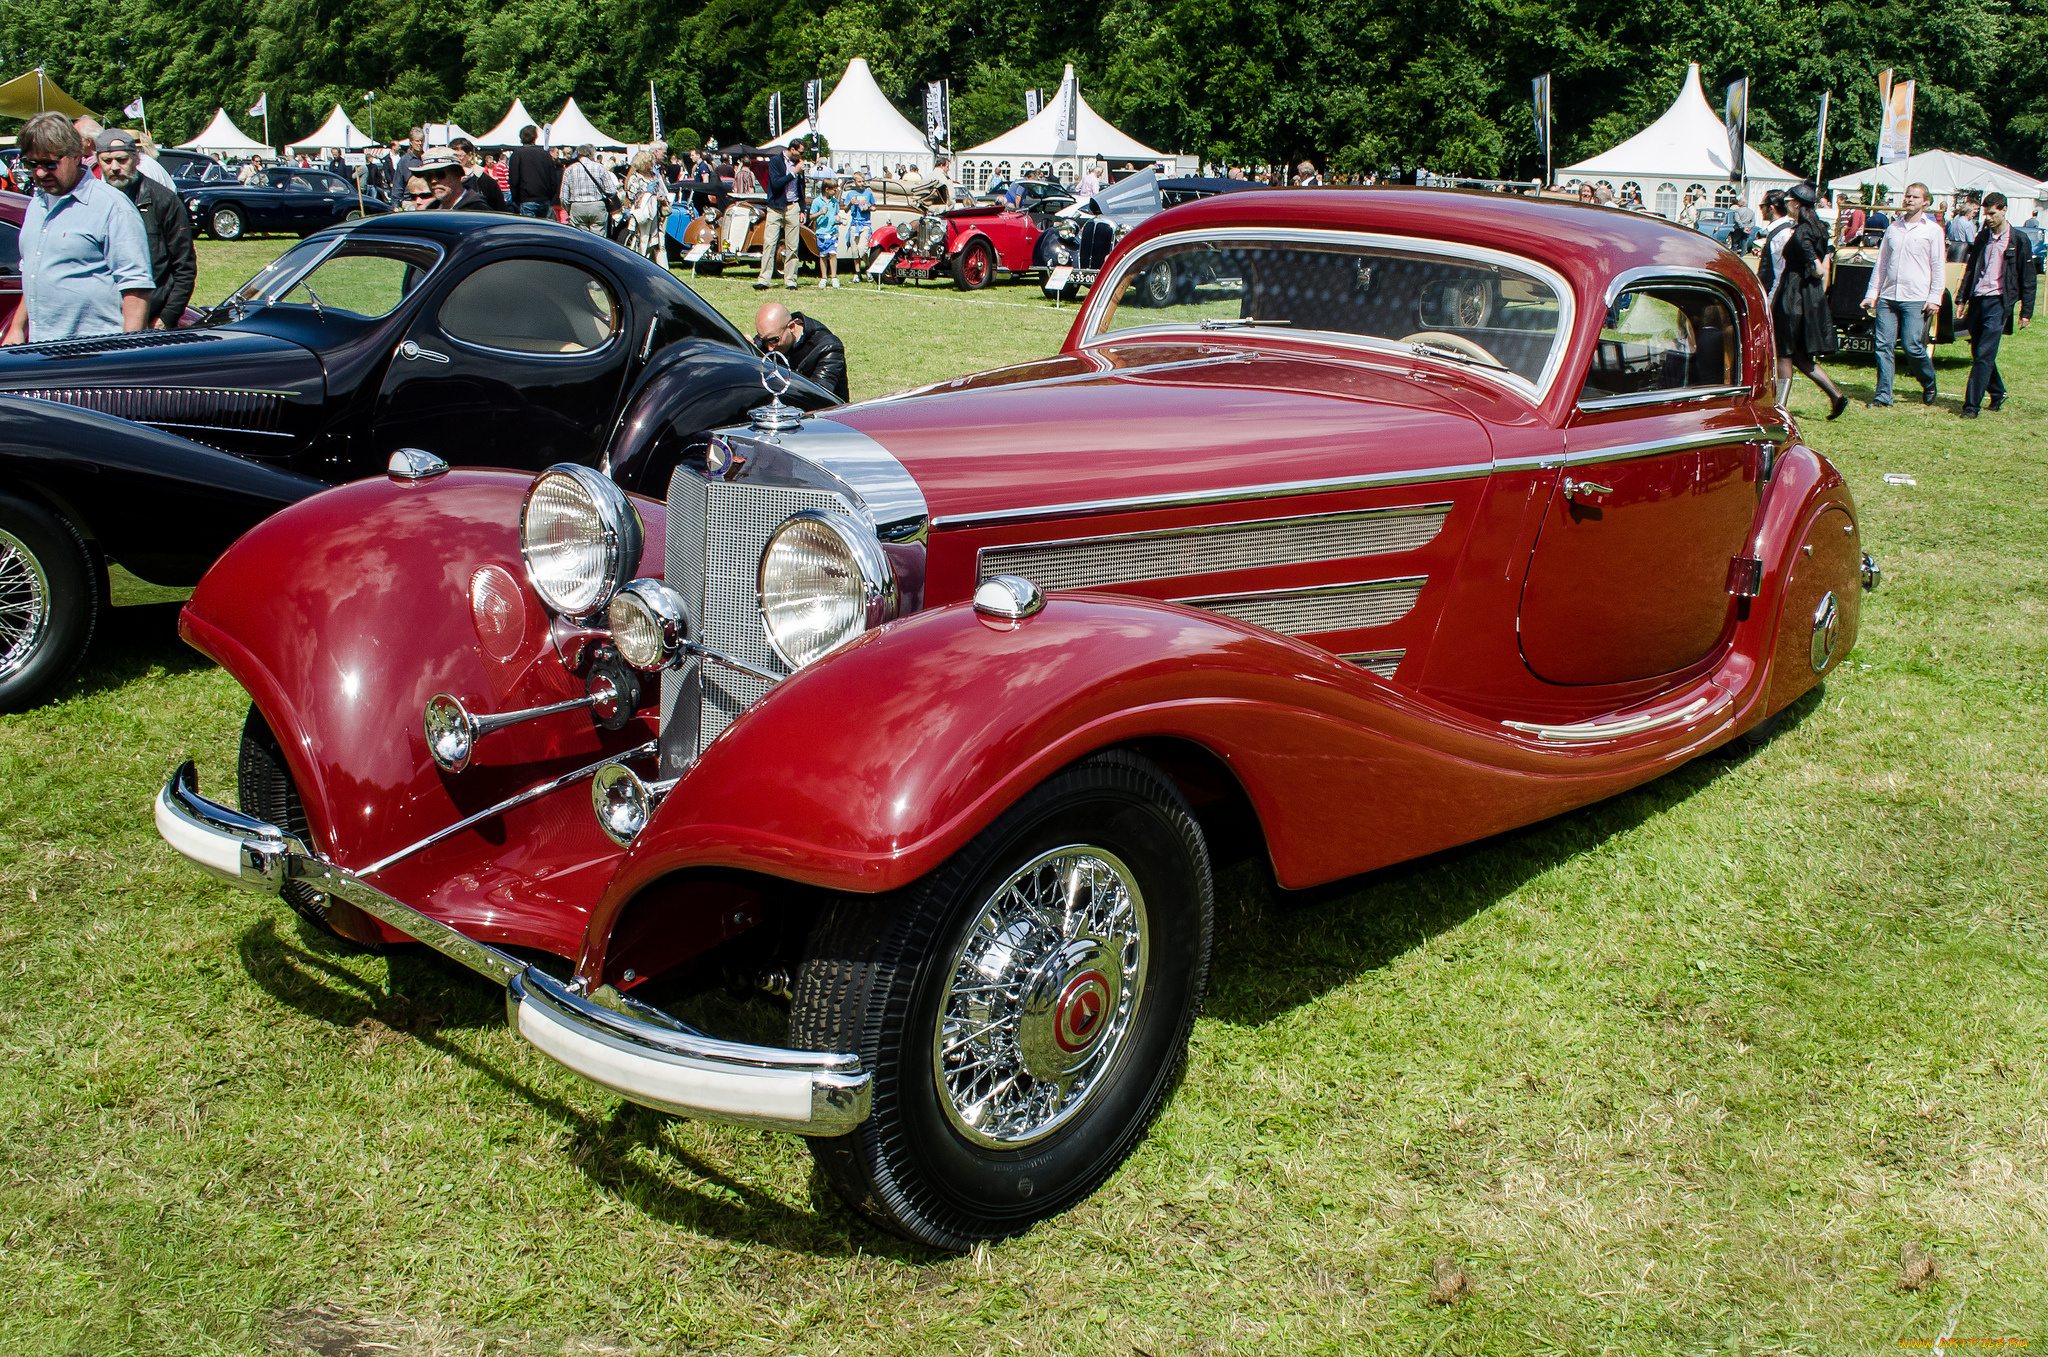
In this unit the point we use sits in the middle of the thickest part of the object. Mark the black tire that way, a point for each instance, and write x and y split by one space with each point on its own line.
263 784
878 979
352 215
226 223
1157 286
974 268
49 602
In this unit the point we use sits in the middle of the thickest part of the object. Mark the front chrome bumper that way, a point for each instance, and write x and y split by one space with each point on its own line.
622 1045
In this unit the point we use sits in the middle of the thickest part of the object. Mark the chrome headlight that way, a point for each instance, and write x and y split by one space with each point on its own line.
823 581
649 623
580 537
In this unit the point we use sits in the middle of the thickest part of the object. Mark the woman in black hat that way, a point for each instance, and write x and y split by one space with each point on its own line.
1799 305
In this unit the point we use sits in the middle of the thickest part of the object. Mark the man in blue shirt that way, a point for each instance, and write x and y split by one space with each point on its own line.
85 266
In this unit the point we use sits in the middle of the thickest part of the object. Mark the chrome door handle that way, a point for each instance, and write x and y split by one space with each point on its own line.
1573 489
413 351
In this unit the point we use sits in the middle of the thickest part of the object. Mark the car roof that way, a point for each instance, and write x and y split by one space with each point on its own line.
1198 184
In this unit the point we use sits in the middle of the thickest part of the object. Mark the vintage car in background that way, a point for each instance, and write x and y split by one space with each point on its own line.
971 243
731 228
192 167
1855 328
1073 250
286 200
129 462
1039 197
1426 515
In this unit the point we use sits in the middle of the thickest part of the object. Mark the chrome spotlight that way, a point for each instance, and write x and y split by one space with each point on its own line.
650 624
623 802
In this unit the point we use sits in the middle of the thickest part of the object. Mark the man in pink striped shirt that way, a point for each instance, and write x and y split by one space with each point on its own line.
1905 292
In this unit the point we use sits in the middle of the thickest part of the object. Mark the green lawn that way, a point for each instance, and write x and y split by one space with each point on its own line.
1717 1066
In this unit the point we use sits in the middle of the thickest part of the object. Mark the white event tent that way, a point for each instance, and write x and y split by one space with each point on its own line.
336 131
506 133
1685 151
571 128
1039 142
440 134
861 127
1947 173
222 137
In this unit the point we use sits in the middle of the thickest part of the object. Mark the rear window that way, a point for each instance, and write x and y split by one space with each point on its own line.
531 306
1477 311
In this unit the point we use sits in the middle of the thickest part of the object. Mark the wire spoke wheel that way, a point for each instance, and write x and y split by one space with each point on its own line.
1044 989
49 600
24 604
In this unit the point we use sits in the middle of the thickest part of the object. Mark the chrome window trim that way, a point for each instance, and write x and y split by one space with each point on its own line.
1191 499
1100 297
1647 274
1626 452
1651 275
1672 397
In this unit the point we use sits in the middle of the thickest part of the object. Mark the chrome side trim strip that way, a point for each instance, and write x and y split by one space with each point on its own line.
1271 490
1681 394
1319 607
1586 732
533 793
1623 452
1216 548
1381 662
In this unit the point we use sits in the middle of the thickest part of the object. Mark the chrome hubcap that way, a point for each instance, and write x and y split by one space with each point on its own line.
24 603
1041 996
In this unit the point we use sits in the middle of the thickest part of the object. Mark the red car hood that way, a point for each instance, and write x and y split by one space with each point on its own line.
1156 419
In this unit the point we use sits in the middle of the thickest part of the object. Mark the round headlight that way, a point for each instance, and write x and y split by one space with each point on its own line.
581 538
649 623
824 580
622 803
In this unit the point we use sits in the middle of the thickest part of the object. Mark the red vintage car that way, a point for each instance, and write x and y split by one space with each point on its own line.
1414 517
971 243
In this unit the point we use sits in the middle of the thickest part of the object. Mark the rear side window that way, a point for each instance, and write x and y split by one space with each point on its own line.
10 248
532 306
1665 339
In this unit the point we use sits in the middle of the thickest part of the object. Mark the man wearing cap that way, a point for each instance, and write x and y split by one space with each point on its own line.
586 185
173 261
452 193
811 350
84 254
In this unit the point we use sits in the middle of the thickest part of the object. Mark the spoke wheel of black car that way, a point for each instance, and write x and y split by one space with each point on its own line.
1024 1009
1156 285
263 782
225 223
352 215
49 601
974 268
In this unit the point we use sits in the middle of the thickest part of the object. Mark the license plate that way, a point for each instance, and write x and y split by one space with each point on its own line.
1857 344
880 263
696 252
1057 280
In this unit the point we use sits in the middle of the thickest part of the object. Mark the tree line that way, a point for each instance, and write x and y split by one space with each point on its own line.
1355 85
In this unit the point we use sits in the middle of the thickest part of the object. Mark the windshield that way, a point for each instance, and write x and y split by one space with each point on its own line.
1466 309
354 275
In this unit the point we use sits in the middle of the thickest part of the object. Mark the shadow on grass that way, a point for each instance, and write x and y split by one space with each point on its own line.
129 642
430 996
1278 949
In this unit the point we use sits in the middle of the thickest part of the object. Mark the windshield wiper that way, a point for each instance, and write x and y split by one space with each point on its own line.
1423 346
1238 323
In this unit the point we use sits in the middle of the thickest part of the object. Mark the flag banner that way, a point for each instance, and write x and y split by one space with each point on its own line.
134 110
813 91
774 116
654 105
1033 101
935 112
1820 138
1895 139
1738 127
1070 115
262 105
1540 89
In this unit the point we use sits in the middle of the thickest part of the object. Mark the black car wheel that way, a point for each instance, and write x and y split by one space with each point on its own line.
1025 1009
263 784
974 268
352 215
49 601
1157 285
225 223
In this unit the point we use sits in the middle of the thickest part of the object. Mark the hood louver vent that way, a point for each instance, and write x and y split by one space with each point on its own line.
82 348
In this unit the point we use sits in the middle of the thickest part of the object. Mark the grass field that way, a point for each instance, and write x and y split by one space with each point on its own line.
1750 1060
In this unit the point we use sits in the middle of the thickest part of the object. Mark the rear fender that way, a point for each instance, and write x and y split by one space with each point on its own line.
1810 539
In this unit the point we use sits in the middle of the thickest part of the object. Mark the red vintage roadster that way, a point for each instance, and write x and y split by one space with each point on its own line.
1412 517
970 243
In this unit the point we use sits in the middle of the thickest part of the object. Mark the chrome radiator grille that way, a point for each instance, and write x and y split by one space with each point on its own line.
1321 608
1214 550
716 532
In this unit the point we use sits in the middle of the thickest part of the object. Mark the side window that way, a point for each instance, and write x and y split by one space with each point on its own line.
531 306
1665 339
10 248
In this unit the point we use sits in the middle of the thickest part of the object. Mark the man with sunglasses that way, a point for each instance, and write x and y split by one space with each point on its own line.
173 261
806 345
84 252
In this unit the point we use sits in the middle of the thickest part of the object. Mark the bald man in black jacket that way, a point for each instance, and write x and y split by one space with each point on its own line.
812 350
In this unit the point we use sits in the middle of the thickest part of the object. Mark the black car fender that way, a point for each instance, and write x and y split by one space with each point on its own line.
690 387
162 506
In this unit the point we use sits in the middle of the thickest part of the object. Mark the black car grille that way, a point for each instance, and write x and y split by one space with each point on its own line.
174 407
81 348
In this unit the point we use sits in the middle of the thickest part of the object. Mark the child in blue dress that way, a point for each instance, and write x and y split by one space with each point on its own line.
825 225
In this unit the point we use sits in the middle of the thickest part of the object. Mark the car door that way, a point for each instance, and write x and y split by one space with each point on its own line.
515 362
323 202
274 205
1629 575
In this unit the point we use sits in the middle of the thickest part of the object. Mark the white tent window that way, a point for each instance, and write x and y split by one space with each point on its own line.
1602 183
1698 192
1725 196
1667 200
1632 193
1002 169
1041 136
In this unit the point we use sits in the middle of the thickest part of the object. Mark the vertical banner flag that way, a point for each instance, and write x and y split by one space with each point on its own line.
774 116
935 129
1541 88
1738 127
813 90
654 105
1895 137
1033 101
1820 140
370 98
1070 115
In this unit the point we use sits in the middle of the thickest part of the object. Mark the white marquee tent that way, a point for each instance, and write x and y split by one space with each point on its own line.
1947 173
222 137
1041 142
506 133
440 134
336 131
861 127
571 128
1685 151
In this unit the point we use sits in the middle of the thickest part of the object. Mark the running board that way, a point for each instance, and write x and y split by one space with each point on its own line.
1585 732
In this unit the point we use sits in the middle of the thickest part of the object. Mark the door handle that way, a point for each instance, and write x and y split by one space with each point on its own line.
1573 489
413 351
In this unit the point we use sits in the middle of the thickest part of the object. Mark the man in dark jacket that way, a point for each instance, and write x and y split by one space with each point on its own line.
812 350
173 261
475 177
1998 275
534 177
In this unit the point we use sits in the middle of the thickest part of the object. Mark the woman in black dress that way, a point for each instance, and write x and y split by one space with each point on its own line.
1799 304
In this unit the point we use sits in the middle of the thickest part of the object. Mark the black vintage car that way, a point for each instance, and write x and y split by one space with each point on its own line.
294 201
1073 247
191 168
129 462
